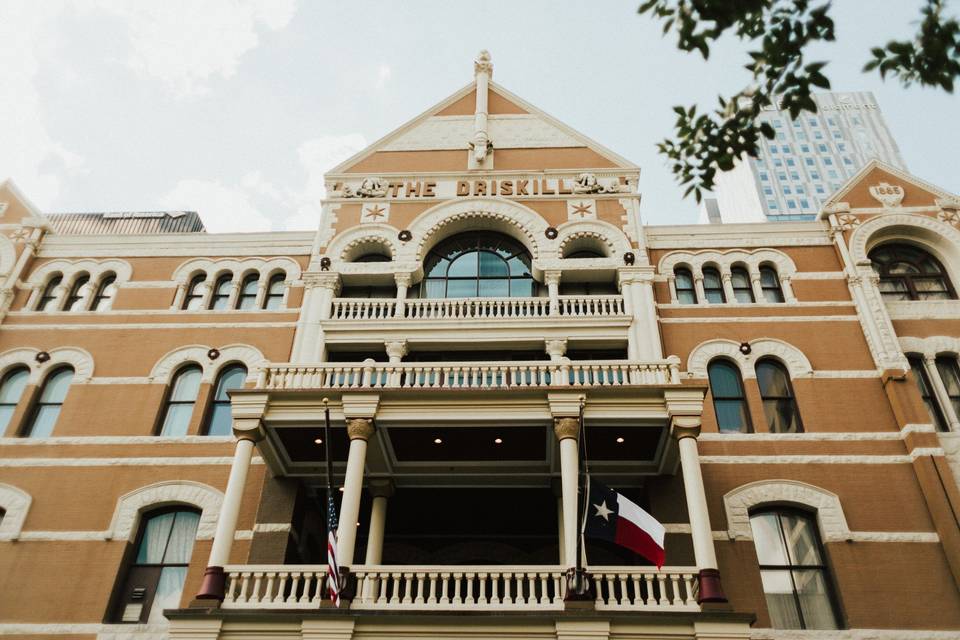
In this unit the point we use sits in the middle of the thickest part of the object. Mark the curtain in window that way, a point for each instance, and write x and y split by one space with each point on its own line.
779 404
183 396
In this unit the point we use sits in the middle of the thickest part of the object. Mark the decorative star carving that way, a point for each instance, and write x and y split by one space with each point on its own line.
582 208
603 511
376 211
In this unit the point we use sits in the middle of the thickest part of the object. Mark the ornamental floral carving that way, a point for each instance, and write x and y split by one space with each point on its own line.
950 216
848 221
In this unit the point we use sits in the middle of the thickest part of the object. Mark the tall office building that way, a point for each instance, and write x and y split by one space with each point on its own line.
807 160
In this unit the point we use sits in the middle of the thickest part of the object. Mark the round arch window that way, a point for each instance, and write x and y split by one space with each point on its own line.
477 264
908 272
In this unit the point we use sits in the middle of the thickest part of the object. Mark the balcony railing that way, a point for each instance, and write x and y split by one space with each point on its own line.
470 375
458 588
476 308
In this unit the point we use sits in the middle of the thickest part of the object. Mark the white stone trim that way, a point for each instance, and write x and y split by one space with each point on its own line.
614 241
110 440
852 634
249 356
817 459
79 359
510 131
8 255
808 436
696 260
754 319
130 506
70 269
937 237
271 527
792 358
931 346
162 461
738 503
103 631
356 241
15 503
154 325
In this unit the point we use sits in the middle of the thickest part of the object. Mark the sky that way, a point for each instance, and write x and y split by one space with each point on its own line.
235 108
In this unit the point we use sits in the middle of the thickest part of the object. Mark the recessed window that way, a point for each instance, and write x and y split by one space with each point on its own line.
274 298
908 272
47 409
193 300
103 297
219 422
221 292
926 392
729 401
49 292
154 578
742 291
478 265
247 299
180 401
686 293
713 286
779 404
11 388
793 571
950 375
74 301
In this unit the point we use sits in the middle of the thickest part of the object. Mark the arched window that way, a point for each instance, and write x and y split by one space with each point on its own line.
180 401
770 285
47 409
583 255
793 571
713 286
373 257
74 301
950 374
153 579
219 422
926 391
742 291
49 292
11 388
105 292
686 293
729 401
779 404
477 264
274 298
910 273
221 292
247 299
194 298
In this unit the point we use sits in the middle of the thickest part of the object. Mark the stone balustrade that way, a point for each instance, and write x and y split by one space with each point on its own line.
470 375
453 588
476 308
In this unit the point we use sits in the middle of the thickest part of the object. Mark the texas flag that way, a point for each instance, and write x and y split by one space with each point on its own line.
610 516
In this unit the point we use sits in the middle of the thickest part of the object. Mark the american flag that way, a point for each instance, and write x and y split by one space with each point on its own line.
333 570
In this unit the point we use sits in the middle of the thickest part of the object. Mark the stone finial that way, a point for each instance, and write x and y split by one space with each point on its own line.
483 63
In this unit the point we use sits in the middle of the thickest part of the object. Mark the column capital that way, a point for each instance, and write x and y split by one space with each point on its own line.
552 277
359 405
685 427
930 358
381 488
403 279
555 348
321 279
640 273
396 348
359 428
567 427
248 429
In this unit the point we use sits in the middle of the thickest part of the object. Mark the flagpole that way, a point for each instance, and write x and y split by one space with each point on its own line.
333 568
581 584
326 448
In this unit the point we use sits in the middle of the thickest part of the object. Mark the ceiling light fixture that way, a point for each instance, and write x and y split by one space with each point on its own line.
437 441
498 441
620 440
318 441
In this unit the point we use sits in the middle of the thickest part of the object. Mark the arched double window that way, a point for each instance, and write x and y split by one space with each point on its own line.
74 301
219 422
247 298
683 281
770 284
740 279
220 297
950 375
193 299
793 570
107 288
478 264
713 286
49 294
274 298
181 399
157 566
45 412
779 403
926 391
908 272
729 401
11 388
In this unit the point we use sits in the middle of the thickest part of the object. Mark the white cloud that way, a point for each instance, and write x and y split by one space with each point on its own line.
223 209
383 74
185 43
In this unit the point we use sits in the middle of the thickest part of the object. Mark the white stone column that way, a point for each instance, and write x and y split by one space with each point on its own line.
561 536
940 391
403 284
359 430
727 279
396 351
552 280
686 429
320 289
786 283
756 285
556 349
672 285
567 430
636 286
381 492
247 432
698 287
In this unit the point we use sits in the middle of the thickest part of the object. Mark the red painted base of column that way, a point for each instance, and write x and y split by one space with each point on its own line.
214 582
710 588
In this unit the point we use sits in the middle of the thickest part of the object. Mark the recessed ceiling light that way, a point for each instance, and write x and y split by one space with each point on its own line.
619 440
498 440
318 441
341 489
437 441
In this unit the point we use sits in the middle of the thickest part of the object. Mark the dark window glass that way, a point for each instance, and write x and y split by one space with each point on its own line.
770 285
275 285
194 298
926 391
105 292
949 373
793 570
373 257
158 567
581 255
779 404
10 391
74 301
686 293
180 401
742 291
477 264
47 410
910 273
221 292
219 422
587 288
713 286
247 299
49 292
729 402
